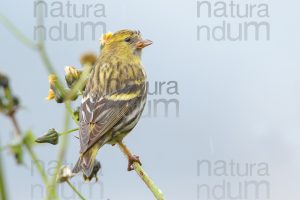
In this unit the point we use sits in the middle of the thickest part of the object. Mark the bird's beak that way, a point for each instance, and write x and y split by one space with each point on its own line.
143 43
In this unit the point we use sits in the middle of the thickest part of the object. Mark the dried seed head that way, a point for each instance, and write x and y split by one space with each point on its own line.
64 174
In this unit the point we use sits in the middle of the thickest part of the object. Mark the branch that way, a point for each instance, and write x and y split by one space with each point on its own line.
143 175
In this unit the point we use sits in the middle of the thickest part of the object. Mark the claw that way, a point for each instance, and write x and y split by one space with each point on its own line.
131 160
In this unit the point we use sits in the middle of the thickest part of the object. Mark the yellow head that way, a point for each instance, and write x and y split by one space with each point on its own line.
124 41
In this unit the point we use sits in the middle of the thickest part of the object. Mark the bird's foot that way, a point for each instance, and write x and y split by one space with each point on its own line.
131 160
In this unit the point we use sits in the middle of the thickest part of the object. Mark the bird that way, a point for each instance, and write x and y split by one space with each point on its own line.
114 98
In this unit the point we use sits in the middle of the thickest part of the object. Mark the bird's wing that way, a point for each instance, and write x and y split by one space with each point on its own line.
99 115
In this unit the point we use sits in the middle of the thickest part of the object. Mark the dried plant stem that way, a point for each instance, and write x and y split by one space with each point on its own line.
142 174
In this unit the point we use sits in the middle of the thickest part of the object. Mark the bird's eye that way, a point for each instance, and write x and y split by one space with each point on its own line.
128 39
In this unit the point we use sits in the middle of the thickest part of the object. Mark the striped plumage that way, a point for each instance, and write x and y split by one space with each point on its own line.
114 97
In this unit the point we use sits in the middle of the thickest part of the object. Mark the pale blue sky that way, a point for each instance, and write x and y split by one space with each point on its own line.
238 100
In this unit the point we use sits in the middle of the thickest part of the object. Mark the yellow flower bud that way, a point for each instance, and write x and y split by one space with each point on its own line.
54 92
51 95
72 71
71 75
88 59
52 79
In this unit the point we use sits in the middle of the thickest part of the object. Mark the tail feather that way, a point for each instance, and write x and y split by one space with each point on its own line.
86 162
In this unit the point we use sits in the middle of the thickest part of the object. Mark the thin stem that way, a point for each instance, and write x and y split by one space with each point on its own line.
68 132
32 155
62 150
143 175
17 33
41 41
48 65
15 124
37 164
148 181
2 182
46 59
31 152
75 190
12 116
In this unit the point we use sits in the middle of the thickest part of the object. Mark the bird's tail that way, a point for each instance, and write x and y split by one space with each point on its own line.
86 162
